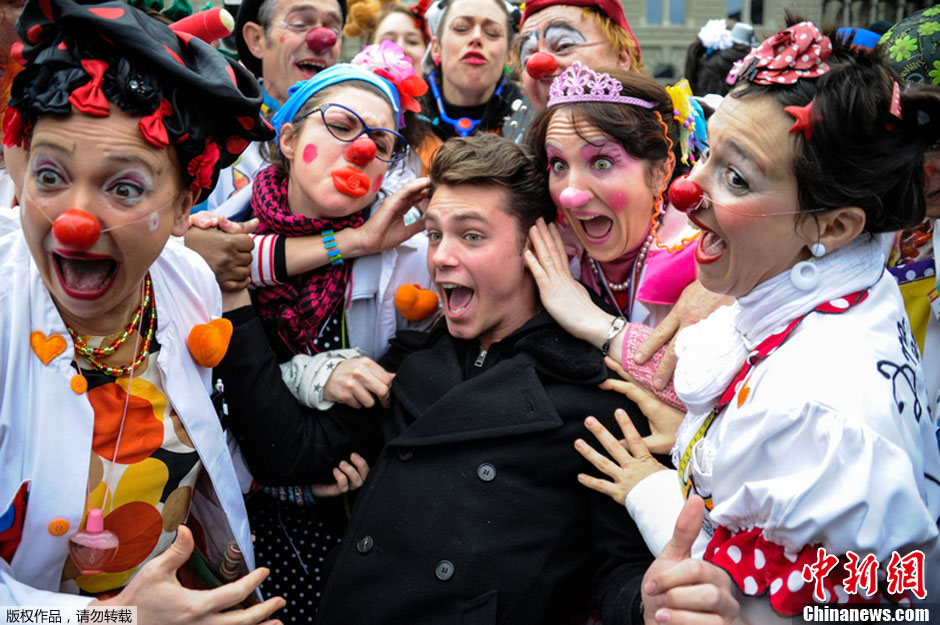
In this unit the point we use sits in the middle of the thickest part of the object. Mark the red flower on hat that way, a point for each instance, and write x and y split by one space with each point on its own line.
202 167
798 52
421 22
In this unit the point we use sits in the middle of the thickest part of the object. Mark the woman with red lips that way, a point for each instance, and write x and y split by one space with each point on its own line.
470 49
808 432
110 437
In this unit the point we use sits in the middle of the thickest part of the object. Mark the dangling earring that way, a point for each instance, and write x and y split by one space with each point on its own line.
805 274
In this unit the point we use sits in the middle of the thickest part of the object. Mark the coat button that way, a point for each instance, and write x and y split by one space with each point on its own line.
444 570
405 454
364 545
486 472
58 527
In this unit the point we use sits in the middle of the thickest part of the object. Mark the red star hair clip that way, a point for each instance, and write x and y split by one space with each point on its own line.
805 118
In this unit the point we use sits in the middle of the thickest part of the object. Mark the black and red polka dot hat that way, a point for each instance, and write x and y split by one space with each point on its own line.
86 57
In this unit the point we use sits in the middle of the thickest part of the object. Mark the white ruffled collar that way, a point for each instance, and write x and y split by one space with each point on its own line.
712 351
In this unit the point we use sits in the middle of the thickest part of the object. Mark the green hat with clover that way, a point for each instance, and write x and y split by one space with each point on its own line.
913 47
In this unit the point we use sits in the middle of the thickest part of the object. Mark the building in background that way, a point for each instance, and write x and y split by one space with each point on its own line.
665 28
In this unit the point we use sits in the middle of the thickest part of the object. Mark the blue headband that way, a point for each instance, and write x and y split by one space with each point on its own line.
302 91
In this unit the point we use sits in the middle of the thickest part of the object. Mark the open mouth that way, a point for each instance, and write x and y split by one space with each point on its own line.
310 67
710 246
474 58
596 227
456 298
84 276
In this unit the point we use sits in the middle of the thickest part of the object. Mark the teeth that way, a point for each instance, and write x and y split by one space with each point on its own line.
448 285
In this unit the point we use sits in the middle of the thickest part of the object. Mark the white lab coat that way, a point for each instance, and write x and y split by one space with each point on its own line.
46 429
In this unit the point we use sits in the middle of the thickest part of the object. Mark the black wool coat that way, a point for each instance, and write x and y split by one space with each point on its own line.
472 512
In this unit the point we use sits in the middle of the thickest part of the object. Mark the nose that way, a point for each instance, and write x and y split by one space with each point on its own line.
441 255
76 229
320 39
540 65
361 151
685 194
571 197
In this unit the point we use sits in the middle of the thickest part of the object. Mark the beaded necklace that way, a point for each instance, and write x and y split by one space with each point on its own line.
627 285
92 356
81 344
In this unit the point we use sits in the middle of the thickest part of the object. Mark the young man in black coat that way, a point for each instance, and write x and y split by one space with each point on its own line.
472 512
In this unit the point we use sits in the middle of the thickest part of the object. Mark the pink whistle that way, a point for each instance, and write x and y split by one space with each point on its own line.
206 25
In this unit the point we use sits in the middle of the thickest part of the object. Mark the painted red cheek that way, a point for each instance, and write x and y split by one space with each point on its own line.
283 37
310 153
378 183
617 201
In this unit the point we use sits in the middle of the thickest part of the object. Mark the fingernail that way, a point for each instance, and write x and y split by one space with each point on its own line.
661 599
650 587
662 616
638 357
590 421
659 383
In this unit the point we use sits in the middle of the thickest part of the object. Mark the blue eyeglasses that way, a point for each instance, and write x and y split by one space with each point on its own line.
344 124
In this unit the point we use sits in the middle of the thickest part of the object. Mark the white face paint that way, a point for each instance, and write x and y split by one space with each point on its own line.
154 222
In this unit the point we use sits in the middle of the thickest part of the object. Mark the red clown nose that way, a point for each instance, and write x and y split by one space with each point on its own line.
76 229
320 39
361 151
540 65
685 194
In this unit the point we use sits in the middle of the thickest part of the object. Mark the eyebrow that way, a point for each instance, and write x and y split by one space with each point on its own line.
746 155
461 218
122 159
561 25
309 7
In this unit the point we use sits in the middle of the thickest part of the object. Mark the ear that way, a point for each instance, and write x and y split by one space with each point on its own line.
624 60
181 218
255 38
435 48
658 170
287 140
834 228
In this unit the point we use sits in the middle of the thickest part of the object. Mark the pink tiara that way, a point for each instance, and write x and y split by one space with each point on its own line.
582 84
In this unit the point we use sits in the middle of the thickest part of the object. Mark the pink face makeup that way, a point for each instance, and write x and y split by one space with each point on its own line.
599 187
378 183
617 200
310 153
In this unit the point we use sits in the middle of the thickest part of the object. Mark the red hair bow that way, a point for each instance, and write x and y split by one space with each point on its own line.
798 52
89 98
152 127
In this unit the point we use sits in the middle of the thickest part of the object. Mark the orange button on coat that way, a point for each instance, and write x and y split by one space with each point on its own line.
58 527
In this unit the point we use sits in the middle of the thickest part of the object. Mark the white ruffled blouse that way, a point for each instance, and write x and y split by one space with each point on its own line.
827 442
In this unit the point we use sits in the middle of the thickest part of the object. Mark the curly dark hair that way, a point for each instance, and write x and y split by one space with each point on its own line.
706 71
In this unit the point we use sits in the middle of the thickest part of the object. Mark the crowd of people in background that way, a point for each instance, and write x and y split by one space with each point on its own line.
480 323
